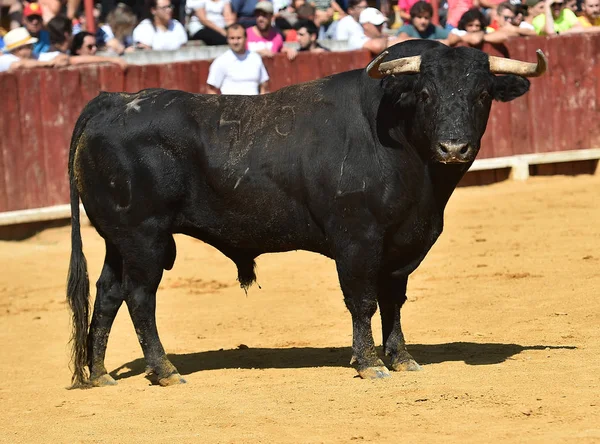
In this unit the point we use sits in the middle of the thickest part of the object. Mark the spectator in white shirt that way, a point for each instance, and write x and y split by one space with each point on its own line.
237 71
162 32
208 20
351 30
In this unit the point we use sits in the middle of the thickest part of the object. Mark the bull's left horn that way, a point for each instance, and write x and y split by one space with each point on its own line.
373 67
499 65
405 65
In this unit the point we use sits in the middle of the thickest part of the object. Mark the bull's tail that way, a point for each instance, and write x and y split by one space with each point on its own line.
78 284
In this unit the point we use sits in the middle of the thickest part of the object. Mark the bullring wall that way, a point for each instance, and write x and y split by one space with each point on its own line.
40 107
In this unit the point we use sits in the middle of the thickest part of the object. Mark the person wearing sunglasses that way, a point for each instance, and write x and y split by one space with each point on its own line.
84 43
509 22
160 31
556 19
61 37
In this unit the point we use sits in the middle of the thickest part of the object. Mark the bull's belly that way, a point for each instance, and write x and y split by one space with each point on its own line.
251 227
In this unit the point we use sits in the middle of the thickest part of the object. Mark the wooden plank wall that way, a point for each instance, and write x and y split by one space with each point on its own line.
40 107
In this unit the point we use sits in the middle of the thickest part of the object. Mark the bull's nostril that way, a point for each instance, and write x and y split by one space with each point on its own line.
443 148
464 149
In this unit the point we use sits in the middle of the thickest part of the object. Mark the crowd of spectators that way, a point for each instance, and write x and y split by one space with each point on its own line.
56 32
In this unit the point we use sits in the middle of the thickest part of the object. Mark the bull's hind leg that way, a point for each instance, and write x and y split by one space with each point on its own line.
391 296
149 251
109 297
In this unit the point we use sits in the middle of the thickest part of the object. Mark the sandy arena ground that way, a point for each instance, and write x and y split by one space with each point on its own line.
504 315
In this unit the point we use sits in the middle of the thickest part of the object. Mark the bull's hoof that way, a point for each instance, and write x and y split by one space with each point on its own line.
407 365
379 372
103 381
172 379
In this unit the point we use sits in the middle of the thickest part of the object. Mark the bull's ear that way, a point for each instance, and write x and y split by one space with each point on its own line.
507 88
406 100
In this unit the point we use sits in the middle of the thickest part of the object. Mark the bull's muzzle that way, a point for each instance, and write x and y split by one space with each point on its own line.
454 152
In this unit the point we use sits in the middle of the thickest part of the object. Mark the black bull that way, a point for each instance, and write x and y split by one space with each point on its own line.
358 167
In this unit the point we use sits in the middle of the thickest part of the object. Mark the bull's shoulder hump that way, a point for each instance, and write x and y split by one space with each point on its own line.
313 89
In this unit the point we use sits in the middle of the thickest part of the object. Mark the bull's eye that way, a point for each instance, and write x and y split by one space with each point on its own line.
424 96
484 96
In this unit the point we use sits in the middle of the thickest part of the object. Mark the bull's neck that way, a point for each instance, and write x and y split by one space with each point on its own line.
445 179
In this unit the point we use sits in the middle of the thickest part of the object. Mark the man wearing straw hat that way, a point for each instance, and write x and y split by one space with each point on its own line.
18 52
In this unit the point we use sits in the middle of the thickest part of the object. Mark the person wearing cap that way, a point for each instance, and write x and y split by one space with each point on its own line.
18 52
372 20
32 20
262 37
350 29
590 14
420 26
556 19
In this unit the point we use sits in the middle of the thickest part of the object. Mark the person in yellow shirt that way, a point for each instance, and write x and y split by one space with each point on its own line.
556 19
591 13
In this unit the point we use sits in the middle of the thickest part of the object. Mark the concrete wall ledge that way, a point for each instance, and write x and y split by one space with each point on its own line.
519 164
202 52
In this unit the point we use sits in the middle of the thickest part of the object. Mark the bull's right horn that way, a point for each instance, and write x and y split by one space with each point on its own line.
499 65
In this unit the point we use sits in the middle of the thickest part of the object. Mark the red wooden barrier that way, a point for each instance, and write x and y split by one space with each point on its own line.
11 179
40 107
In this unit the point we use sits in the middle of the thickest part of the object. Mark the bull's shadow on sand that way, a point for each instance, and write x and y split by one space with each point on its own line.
470 353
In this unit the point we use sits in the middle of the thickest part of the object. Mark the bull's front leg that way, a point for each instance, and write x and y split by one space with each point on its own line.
358 279
391 296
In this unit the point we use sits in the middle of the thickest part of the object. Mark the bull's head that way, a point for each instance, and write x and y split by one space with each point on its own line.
447 93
